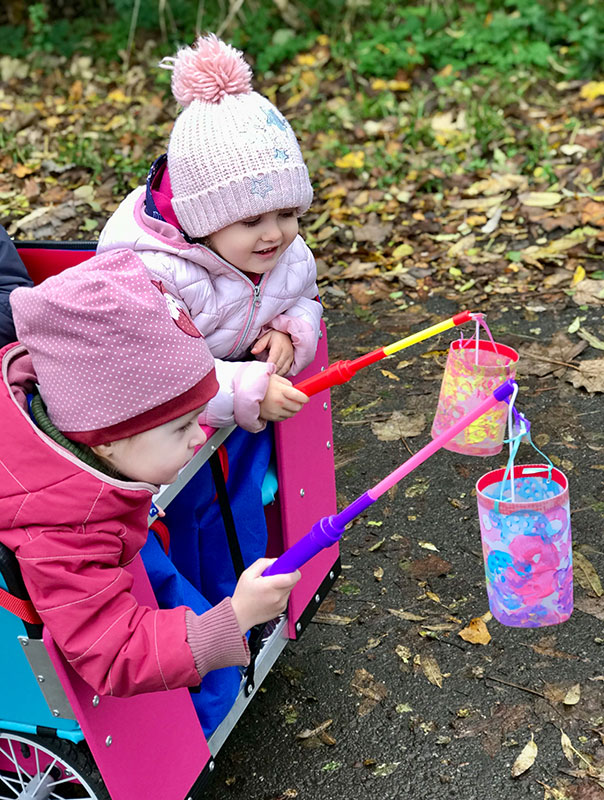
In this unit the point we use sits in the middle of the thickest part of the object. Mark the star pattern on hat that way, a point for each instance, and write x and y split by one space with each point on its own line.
272 118
281 155
261 186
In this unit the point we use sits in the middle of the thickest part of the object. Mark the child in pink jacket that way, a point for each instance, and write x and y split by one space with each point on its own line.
123 375
217 224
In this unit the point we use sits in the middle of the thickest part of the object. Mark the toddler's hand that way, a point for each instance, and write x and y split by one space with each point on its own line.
280 350
257 599
281 400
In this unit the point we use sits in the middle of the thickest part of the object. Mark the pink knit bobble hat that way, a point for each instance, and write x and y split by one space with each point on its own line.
115 354
231 155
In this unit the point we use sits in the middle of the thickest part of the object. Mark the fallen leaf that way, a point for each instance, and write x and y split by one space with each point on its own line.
431 670
383 770
353 160
572 697
378 573
589 376
429 567
401 425
476 632
307 732
403 653
592 90
526 758
428 546
585 573
589 293
332 619
371 690
567 747
405 615
590 605
540 199
592 340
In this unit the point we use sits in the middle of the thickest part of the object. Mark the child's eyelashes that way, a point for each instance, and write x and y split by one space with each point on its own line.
250 223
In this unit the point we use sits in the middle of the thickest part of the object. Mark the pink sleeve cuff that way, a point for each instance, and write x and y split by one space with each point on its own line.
304 339
249 388
215 639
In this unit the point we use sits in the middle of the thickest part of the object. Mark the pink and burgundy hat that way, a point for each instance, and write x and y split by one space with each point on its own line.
115 353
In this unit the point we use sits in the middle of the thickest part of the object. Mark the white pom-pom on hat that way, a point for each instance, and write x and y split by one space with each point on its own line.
208 71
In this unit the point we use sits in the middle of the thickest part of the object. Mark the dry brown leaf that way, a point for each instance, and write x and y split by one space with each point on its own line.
586 574
332 619
589 293
476 632
567 747
405 615
589 376
431 670
591 605
526 758
572 697
307 732
400 426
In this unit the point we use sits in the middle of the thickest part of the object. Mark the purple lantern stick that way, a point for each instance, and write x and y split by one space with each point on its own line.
328 530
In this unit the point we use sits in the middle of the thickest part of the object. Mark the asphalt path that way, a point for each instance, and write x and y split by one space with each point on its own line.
383 729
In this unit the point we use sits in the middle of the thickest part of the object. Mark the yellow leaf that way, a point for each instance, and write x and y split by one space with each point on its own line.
586 575
399 86
323 40
21 170
592 90
306 59
476 632
540 199
52 122
378 573
579 275
402 250
354 160
117 96
525 759
387 374
379 85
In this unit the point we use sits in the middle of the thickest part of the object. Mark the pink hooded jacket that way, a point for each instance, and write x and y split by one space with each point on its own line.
225 305
73 530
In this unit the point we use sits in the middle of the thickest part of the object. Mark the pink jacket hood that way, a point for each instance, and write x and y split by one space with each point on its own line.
73 530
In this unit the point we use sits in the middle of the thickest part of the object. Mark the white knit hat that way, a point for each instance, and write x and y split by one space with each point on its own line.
232 155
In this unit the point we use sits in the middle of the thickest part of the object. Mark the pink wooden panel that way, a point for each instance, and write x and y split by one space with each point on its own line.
157 744
307 488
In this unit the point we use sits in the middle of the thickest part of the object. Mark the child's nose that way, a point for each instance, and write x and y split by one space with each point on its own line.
271 231
199 438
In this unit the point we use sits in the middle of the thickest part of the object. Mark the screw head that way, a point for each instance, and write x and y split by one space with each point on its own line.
317 598
329 445
298 627
332 574
96 700
211 766
40 678
108 741
301 492
325 406
56 712
24 641
320 334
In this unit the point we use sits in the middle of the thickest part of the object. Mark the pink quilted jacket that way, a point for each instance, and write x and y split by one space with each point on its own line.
230 311
73 530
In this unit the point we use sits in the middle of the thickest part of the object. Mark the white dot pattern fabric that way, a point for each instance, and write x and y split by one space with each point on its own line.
104 344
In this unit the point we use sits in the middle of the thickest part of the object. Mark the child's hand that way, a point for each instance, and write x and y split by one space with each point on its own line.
280 350
281 400
257 599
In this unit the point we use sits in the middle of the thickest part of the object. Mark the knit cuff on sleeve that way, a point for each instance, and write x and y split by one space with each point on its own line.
215 639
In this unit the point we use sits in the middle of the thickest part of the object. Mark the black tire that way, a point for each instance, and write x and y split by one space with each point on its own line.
67 769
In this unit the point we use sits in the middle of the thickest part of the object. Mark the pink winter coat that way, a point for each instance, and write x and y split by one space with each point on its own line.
73 530
225 305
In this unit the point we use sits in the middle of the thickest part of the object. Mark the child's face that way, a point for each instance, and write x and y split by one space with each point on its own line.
157 455
256 244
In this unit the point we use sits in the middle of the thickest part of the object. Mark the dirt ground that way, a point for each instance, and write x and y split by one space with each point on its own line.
386 707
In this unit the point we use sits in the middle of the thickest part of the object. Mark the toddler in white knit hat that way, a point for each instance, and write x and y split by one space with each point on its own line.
217 224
